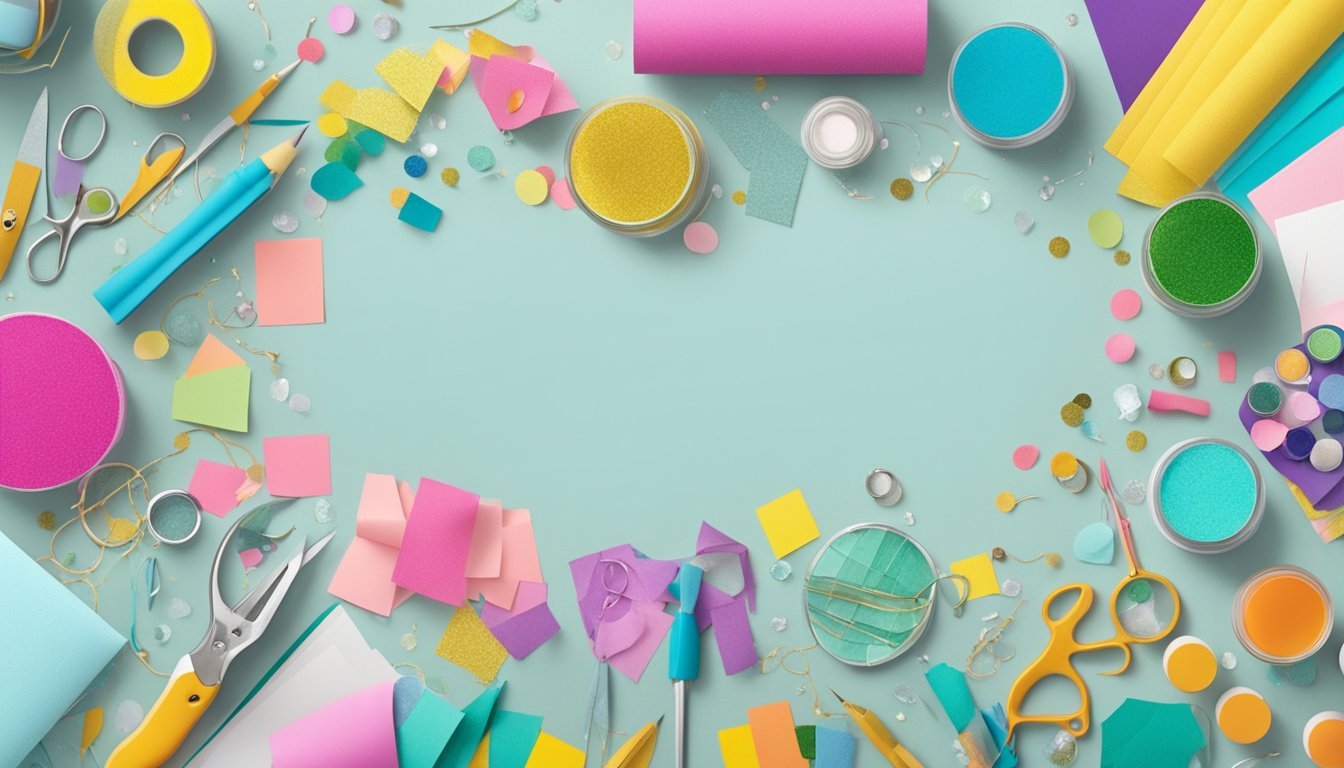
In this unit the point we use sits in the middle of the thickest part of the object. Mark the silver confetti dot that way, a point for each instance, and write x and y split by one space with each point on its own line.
717 191
186 117
613 50
258 65
781 570
119 246
1134 492
385 26
976 199
1011 587
1071 19
779 623
936 161
280 389
300 404
302 171
921 172
905 694
765 105
409 641
1156 371
1047 191
285 221
322 512
429 149
314 204
919 110
179 608
245 311
439 122
1024 221
884 143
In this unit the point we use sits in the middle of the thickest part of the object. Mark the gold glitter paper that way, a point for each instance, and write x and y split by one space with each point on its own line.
902 189
1059 247
450 176
1072 414
739 197
46 520
1083 400
467 643
411 76
631 163
1136 441
1122 258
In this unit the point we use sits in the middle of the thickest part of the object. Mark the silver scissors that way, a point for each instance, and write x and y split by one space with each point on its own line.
92 207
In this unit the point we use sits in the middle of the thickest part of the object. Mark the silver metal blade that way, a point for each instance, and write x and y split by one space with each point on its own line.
211 138
679 691
316 546
33 150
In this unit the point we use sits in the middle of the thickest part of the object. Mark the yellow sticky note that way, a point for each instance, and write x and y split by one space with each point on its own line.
467 643
550 752
979 571
412 76
482 757
739 751
376 108
485 46
788 523
453 59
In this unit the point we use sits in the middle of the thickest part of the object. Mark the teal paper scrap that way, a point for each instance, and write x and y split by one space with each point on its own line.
1146 734
470 730
344 151
423 735
335 181
835 748
512 737
370 141
420 213
775 161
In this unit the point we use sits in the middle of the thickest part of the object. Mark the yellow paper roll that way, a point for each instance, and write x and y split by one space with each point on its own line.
1288 47
111 48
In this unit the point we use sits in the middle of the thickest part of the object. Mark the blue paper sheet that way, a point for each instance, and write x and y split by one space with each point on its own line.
835 749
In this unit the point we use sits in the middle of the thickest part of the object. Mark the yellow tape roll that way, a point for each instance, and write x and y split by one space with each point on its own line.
111 47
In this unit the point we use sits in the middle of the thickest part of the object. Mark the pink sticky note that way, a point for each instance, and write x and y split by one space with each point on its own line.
298 466
501 77
216 486
732 634
357 730
289 282
1310 181
434 551
487 542
1227 366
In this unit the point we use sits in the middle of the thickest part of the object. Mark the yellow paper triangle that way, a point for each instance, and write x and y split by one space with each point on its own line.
485 46
455 60
637 752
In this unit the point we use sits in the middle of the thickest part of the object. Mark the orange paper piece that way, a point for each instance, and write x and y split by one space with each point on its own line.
772 733
364 576
289 282
213 355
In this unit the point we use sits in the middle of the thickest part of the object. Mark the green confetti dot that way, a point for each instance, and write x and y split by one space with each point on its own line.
1140 591
480 158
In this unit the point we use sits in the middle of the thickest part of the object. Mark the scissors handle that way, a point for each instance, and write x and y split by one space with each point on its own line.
168 723
93 207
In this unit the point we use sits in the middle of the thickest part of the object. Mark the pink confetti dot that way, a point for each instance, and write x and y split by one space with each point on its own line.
562 195
1025 456
547 173
1125 304
1268 434
1120 348
700 237
341 18
311 49
1304 407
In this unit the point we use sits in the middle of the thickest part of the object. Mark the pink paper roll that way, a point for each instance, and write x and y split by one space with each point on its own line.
780 37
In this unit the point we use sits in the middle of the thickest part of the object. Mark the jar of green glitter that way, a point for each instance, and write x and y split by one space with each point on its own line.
1201 256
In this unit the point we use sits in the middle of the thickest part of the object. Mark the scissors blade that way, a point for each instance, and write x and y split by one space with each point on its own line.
33 148
211 139
247 605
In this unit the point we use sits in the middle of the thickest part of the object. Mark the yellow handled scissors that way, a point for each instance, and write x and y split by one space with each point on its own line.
196 678
1133 598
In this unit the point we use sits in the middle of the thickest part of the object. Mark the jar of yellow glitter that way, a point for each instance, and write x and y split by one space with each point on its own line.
637 166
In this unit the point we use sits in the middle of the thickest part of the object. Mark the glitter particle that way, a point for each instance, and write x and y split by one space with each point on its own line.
429 150
450 176
322 512
765 105
1136 441
119 246
179 608
1011 587
1229 660
905 694
1059 247
1071 414
613 50
415 166
385 26
163 633
1071 19
1121 258
1063 747
300 404
919 110
46 520
258 65
285 221
739 197
902 188
1134 492
781 570
280 389
439 122
480 158
779 623
921 172
1156 371
717 191
1024 221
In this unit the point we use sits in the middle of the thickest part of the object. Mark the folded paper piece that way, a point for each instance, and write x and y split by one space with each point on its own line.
982 734
470 731
412 76
215 389
621 596
426 730
771 155
364 576
289 282
379 109
1313 255
467 642
1221 79
788 523
772 733
54 648
732 633
216 486
518 560
738 748
1328 523
329 661
1145 734
1135 37
455 62
512 738
434 552
861 37
298 466
356 731
637 751
515 84
551 752
525 628
1310 181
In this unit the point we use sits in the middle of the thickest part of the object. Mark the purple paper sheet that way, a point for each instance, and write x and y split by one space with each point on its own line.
732 634
1135 37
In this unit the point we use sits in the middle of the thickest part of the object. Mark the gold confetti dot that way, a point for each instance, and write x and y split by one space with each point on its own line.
1064 464
1083 400
46 520
1059 247
450 176
739 197
182 441
760 83
1005 501
902 188
1136 441
630 163
1072 414
1053 559
1122 258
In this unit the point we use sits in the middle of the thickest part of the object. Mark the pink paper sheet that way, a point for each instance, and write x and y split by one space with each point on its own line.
433 559
501 77
518 561
652 623
364 575
1310 181
487 542
298 466
354 732
289 282
780 37
216 486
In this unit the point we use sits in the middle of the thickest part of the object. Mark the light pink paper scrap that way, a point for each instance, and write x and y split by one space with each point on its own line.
1310 181
298 466
381 516
487 542
434 551
353 732
637 634
364 575
519 561
780 37
216 486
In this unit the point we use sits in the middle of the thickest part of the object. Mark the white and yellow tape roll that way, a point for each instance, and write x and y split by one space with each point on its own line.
112 32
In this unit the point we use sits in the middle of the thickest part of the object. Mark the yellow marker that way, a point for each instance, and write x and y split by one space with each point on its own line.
878 734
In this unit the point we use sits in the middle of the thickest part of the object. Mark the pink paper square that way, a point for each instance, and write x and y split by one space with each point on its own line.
216 486
298 466
434 551
289 282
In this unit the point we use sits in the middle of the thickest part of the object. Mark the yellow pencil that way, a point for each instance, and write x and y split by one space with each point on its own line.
878 734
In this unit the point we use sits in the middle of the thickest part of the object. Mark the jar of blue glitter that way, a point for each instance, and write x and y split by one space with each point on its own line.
1206 495
1010 86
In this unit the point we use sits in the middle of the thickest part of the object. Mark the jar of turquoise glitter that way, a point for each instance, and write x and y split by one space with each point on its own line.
1201 256
1206 495
1009 86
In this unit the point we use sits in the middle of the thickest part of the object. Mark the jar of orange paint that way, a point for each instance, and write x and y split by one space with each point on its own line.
1282 615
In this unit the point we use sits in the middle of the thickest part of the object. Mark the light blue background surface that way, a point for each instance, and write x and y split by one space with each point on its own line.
627 390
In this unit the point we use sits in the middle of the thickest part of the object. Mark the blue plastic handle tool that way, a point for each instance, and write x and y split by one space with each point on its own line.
684 651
